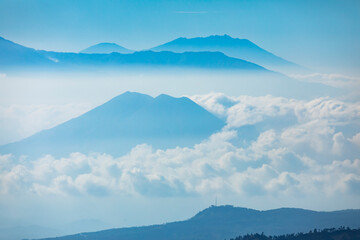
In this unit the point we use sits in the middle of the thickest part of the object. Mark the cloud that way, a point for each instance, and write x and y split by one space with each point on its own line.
243 110
307 148
214 166
339 142
355 139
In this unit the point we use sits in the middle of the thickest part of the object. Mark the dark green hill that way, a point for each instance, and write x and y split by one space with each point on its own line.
325 234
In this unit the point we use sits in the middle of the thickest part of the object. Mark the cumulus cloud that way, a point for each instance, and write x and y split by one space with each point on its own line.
214 166
300 147
355 139
245 110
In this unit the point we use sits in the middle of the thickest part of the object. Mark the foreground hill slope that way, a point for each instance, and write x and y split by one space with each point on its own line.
226 222
122 123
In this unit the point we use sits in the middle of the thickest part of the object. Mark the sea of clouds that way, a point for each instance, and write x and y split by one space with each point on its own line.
271 146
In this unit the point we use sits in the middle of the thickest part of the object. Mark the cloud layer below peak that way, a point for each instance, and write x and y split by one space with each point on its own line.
271 147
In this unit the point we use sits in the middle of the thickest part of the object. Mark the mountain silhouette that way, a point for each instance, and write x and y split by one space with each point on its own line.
251 79
209 60
106 48
232 47
122 123
15 55
225 222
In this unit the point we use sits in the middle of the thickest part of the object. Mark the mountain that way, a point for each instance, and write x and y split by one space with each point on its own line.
15 54
122 123
214 52
226 222
232 47
209 60
106 48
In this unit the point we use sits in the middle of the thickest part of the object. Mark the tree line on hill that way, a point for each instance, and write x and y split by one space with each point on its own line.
341 233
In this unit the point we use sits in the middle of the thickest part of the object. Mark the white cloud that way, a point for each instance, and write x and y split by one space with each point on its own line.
245 110
301 147
214 166
329 109
355 139
339 142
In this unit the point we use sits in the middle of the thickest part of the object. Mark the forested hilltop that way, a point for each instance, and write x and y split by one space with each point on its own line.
326 234
227 222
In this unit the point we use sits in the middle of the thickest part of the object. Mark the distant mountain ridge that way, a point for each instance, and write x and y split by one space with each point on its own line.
122 123
15 55
232 47
207 60
226 222
106 48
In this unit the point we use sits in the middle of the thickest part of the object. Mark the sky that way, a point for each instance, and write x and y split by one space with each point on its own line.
306 149
321 34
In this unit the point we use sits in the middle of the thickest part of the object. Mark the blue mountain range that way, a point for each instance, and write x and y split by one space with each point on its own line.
212 53
232 47
15 55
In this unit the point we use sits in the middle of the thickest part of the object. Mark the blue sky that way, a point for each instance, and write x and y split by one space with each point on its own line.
313 33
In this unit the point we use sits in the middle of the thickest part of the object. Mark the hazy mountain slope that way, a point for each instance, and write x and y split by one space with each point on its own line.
224 222
15 54
248 78
122 123
106 48
233 47
213 60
